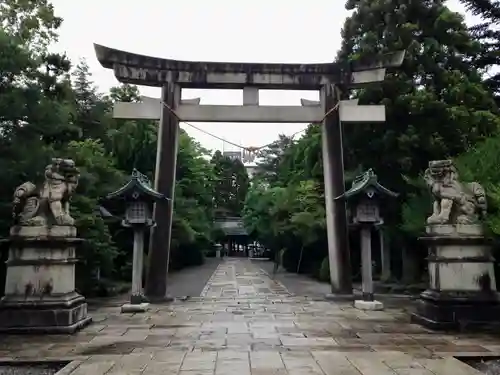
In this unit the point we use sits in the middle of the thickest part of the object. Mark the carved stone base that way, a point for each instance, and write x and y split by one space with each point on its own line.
457 311
43 232
368 305
52 315
459 259
135 308
40 294
462 291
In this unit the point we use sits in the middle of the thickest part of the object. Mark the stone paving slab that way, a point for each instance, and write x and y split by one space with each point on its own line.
245 323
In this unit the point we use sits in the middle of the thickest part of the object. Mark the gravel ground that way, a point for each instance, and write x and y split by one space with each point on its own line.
29 370
489 367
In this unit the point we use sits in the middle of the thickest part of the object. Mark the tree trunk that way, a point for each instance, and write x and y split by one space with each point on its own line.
410 266
300 258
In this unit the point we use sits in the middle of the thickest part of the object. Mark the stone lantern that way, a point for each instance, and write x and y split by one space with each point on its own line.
364 199
218 248
139 198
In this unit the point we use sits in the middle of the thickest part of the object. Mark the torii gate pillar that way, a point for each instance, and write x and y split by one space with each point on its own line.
335 206
166 162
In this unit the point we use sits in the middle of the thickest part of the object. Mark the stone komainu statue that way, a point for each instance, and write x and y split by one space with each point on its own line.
455 202
48 204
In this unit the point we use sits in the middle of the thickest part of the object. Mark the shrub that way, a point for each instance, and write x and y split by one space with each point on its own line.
324 271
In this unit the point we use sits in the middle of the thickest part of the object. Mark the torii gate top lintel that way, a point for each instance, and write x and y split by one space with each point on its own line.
153 71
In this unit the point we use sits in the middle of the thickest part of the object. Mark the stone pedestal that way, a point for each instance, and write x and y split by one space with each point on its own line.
135 307
462 291
40 294
368 305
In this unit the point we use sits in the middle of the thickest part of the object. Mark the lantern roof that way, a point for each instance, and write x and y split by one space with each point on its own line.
367 183
137 186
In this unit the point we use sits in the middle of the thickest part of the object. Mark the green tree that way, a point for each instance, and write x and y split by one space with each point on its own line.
193 216
307 220
222 184
98 177
132 142
37 115
488 34
259 213
45 112
290 218
437 106
230 185
302 159
476 164
34 100
269 158
240 184
32 23
285 205
92 111
124 93
479 164
436 103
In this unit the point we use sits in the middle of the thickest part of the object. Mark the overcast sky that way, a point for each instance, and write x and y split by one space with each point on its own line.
293 31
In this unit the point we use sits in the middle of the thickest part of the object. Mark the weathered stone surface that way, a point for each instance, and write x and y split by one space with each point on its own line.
43 232
135 308
40 294
369 305
455 231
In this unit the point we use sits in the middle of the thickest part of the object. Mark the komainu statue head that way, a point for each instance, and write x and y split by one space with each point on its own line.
63 170
454 202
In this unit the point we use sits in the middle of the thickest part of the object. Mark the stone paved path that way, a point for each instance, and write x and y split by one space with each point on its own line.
240 278
246 324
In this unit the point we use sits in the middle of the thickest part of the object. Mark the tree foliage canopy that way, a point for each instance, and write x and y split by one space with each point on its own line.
230 185
438 104
488 33
49 109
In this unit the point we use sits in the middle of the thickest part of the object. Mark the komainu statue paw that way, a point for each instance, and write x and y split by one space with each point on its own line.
434 219
64 220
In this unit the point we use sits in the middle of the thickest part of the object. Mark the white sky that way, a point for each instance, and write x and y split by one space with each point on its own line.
216 30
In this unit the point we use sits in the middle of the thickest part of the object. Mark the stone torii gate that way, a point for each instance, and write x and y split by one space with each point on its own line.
331 79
